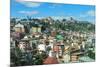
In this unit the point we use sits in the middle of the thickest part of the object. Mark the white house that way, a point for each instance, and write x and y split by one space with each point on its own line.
41 47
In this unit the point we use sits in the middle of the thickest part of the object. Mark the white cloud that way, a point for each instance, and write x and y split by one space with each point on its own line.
91 13
20 0
83 15
28 12
86 2
55 5
29 3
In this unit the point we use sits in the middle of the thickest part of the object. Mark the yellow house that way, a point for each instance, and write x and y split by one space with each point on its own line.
19 28
35 29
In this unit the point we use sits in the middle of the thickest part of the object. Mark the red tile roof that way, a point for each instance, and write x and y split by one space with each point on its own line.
50 60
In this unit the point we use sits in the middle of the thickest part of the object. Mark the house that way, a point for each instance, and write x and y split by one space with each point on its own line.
57 50
35 28
24 45
41 47
50 59
19 28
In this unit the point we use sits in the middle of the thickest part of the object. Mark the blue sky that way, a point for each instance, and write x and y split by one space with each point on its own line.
22 8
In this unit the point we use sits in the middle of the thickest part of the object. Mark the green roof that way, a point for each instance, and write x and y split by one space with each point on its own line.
59 37
86 59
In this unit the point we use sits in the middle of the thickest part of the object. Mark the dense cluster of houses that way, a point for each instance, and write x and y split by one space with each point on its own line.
60 46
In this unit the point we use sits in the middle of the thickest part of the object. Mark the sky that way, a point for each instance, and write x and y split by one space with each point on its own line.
22 8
